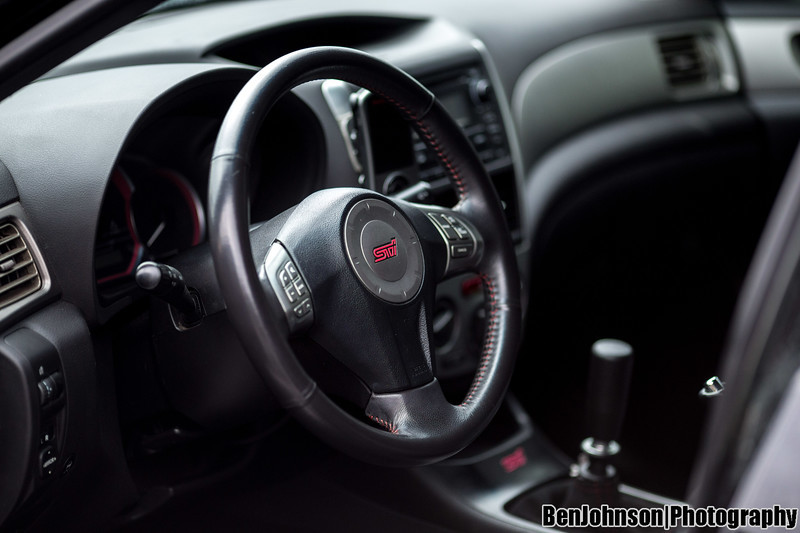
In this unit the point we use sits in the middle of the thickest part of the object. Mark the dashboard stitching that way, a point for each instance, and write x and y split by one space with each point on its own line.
491 337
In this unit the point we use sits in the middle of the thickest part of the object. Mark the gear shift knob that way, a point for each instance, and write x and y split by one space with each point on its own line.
609 381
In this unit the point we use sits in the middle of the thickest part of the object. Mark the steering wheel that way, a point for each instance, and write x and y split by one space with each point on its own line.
356 272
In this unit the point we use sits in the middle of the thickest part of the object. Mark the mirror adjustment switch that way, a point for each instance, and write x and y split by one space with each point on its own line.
47 462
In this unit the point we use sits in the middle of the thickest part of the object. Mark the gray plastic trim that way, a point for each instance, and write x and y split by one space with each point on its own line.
772 478
60 141
516 152
598 77
765 53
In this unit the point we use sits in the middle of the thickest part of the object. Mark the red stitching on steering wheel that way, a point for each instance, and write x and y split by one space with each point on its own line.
489 343
434 143
430 137
386 425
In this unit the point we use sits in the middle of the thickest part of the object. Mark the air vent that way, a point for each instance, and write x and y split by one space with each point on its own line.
684 61
18 274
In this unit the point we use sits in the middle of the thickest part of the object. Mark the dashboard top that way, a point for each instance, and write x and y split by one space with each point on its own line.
100 98
514 32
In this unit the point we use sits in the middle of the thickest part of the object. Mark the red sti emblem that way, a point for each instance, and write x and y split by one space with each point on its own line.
385 251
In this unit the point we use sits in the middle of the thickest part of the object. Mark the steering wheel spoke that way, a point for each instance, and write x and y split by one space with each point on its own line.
418 412
387 346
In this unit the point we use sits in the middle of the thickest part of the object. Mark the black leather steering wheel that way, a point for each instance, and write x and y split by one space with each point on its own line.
356 273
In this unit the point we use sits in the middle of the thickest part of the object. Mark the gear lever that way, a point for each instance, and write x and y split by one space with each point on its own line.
609 380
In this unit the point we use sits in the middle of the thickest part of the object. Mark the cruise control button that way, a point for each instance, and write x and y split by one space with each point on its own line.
292 270
462 232
460 250
291 293
445 226
458 227
450 232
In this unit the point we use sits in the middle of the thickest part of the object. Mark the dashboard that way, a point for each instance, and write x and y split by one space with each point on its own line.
592 121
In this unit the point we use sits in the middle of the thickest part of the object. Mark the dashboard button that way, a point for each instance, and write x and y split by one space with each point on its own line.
479 140
47 462
47 390
68 464
48 436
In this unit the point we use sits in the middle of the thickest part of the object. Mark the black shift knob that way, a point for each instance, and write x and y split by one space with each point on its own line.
609 381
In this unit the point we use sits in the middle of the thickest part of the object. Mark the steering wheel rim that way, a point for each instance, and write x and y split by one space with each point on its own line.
417 429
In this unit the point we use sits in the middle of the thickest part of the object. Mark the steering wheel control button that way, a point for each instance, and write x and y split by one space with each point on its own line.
445 226
384 250
460 237
458 251
300 287
291 293
290 289
303 309
292 270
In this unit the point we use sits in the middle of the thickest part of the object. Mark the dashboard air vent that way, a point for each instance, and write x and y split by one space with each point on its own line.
684 60
18 274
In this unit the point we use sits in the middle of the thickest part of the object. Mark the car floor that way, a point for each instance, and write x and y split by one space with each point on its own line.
292 483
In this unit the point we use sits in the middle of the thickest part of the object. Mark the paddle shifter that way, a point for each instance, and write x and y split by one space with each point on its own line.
609 380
